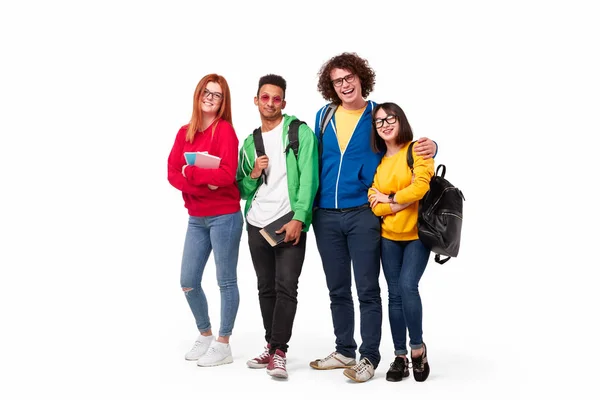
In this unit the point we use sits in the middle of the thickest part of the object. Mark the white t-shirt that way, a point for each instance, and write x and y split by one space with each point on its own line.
272 199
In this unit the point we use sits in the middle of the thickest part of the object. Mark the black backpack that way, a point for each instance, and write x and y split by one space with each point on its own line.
440 214
293 142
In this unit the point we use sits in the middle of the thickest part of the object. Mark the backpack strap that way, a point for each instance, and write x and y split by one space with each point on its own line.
293 142
326 118
443 168
439 260
409 157
259 145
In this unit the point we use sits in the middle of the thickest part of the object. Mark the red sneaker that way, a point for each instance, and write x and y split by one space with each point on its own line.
260 361
276 367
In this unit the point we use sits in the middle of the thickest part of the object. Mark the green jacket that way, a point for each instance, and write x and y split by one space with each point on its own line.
302 175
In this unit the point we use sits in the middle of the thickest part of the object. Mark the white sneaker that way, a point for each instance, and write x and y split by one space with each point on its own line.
200 347
332 361
217 354
361 372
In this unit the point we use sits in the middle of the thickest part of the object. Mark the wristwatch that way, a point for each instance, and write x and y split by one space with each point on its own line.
391 197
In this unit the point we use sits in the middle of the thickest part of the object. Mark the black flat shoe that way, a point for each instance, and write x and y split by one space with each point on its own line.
420 366
398 370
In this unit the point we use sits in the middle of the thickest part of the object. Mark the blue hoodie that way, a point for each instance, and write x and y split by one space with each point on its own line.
346 177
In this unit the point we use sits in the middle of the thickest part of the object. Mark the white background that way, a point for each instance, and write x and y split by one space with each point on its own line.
93 93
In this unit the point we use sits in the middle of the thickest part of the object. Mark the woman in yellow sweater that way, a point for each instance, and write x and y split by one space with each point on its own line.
395 198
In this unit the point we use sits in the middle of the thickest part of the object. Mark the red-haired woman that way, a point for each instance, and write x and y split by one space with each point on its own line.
212 199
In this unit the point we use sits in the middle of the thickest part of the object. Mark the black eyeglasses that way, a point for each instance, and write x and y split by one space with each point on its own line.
213 95
340 81
390 119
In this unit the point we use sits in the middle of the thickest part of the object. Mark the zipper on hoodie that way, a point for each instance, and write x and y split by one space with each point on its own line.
337 181
247 159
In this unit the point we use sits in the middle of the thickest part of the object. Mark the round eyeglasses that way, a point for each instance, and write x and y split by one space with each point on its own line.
265 98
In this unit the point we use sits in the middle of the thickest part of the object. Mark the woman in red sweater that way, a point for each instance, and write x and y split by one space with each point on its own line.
212 199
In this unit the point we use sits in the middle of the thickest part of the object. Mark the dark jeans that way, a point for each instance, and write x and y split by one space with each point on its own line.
403 266
277 269
344 239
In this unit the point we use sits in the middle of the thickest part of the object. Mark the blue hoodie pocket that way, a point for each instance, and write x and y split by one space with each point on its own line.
365 182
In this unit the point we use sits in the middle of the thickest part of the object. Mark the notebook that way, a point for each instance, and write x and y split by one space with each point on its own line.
202 159
268 231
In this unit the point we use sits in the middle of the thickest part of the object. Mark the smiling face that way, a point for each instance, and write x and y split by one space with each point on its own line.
270 102
348 88
210 99
387 125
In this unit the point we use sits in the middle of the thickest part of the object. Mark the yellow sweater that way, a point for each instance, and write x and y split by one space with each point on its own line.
393 175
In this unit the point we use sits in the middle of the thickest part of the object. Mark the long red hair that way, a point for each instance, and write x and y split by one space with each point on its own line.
224 112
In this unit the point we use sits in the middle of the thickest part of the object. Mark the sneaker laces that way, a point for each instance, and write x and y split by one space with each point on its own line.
396 365
196 345
263 355
211 350
361 366
278 361
329 356
418 363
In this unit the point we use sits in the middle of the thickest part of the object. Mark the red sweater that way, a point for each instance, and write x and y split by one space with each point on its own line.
199 199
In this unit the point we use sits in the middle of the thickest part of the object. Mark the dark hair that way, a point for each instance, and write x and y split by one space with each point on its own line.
272 79
353 63
405 134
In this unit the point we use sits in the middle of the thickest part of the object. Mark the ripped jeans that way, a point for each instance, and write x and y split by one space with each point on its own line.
221 233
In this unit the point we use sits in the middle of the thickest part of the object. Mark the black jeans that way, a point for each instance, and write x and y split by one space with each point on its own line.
277 269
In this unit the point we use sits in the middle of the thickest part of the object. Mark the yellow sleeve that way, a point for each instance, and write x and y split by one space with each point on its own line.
423 171
380 209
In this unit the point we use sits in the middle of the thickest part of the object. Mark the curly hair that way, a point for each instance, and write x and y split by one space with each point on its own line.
353 63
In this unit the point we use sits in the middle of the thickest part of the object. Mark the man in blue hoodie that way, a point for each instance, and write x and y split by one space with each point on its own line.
346 230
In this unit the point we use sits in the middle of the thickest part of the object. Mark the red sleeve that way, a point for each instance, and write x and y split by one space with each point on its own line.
227 149
176 162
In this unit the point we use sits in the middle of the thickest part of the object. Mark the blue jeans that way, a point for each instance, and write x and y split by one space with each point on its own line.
403 265
345 239
221 233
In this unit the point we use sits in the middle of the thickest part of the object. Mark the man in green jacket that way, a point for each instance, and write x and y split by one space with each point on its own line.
274 185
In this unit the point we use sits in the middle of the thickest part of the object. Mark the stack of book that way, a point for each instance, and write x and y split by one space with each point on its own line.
202 159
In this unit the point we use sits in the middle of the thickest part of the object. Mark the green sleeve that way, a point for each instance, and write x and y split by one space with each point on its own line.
308 170
246 184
